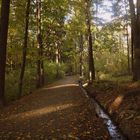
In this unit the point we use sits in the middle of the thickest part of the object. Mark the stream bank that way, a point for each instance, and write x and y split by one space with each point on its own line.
122 101
113 130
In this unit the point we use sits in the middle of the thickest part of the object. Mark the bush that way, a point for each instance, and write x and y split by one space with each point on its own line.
51 71
12 79
111 63
11 84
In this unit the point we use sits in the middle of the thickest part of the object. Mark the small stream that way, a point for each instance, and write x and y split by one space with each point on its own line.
113 129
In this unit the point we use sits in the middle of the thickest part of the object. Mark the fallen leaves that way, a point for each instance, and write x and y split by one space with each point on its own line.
71 118
125 110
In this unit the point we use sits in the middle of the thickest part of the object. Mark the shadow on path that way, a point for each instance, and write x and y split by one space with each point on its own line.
58 111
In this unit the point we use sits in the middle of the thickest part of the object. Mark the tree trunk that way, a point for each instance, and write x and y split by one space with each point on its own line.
40 64
91 71
135 21
75 58
132 51
57 54
5 9
128 50
137 48
127 40
81 56
24 50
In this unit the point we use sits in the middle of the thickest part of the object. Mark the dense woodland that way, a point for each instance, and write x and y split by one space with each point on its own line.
43 40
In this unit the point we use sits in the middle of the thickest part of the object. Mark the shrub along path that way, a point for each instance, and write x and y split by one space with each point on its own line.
56 112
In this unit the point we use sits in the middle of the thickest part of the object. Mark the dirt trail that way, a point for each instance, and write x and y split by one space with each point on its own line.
56 112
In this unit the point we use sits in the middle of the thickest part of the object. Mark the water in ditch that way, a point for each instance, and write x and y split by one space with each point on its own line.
113 130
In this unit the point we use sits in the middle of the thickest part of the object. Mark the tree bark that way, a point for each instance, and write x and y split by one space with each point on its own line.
128 50
91 72
24 49
40 64
135 24
5 9
137 49
132 51
81 56
127 39
57 54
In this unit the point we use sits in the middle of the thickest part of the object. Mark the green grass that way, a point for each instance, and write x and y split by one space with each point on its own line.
124 79
111 77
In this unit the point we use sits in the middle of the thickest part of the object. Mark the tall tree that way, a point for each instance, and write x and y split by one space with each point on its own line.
5 8
91 72
24 49
135 23
81 55
127 37
57 53
40 67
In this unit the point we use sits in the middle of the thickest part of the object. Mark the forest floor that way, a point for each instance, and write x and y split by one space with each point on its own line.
56 112
122 101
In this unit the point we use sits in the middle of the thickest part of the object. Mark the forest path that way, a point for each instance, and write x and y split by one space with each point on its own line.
56 112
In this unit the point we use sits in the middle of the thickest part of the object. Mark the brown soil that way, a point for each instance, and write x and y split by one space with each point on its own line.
56 112
122 101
